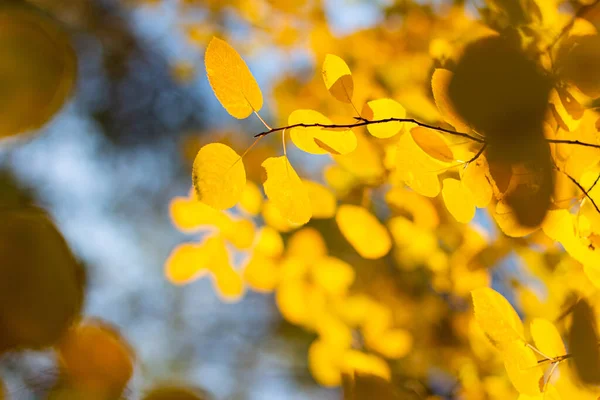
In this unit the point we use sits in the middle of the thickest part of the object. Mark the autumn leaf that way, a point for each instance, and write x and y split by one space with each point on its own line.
364 232
231 80
338 78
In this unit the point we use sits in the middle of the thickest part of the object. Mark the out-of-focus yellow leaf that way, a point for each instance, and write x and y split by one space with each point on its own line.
338 78
420 208
550 393
324 363
339 179
583 343
189 215
365 162
364 231
229 284
393 343
333 275
323 202
496 317
261 273
285 189
355 361
269 242
306 244
218 176
439 84
432 143
252 199
39 70
546 338
231 80
507 221
240 233
458 200
316 140
522 368
186 263
383 109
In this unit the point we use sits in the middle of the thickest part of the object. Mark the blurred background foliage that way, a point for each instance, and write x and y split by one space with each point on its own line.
107 170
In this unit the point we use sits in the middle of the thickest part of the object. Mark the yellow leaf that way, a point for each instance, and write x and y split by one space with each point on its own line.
522 368
507 221
316 140
231 80
324 363
252 199
383 109
393 343
240 233
285 189
190 215
458 200
333 275
323 202
365 162
546 338
218 176
338 78
261 273
186 263
423 212
273 218
550 393
496 317
364 231
357 362
269 242
39 68
229 284
474 178
432 143
417 169
439 84
307 244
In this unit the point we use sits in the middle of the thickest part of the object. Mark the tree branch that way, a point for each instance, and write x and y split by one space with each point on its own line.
585 192
364 122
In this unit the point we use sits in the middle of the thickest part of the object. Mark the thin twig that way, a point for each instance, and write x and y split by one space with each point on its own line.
585 192
573 142
580 13
363 122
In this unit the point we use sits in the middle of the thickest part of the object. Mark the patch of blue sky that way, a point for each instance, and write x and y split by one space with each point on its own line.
347 16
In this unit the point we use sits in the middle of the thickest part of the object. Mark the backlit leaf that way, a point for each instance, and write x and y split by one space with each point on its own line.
285 189
522 368
383 109
546 338
338 78
252 199
316 140
432 143
496 317
333 275
218 176
364 231
231 80
458 200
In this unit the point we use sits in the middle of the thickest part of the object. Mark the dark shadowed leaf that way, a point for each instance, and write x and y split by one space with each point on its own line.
583 343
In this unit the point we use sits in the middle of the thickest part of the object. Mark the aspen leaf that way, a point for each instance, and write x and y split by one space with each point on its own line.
439 84
229 284
458 200
231 80
261 273
432 143
323 202
269 243
273 218
364 231
252 199
324 363
306 244
186 263
550 393
417 169
507 221
338 78
522 368
355 361
474 178
583 343
496 317
218 176
285 189
393 343
333 275
546 338
316 140
190 215
383 109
